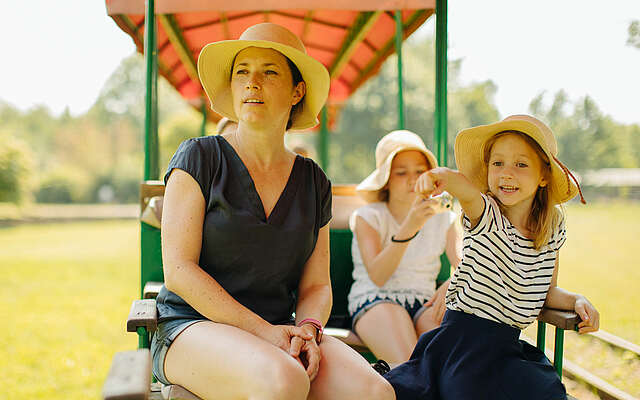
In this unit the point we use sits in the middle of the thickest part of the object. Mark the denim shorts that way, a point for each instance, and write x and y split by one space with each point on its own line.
415 310
166 333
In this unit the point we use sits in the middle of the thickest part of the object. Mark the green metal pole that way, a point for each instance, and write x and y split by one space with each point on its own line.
542 330
399 34
151 170
557 351
440 120
323 139
203 127
143 337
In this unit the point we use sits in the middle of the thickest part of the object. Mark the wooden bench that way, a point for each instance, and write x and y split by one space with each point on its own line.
143 315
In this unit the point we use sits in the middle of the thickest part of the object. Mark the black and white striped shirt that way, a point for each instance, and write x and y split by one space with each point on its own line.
502 277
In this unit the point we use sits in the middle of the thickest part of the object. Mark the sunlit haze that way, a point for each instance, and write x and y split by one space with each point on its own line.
60 55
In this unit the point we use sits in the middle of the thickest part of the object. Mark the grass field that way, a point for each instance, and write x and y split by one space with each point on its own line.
66 292
67 289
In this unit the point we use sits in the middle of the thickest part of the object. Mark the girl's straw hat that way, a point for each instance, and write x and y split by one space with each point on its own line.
470 149
387 148
216 60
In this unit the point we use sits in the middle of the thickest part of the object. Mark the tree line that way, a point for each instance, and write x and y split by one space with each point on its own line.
98 156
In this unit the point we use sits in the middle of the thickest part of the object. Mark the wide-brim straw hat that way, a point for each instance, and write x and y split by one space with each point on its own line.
387 148
216 60
470 150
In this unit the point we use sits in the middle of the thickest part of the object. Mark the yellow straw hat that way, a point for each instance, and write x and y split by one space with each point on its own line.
216 60
387 148
470 149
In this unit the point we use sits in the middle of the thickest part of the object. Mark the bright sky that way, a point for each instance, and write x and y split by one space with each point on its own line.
61 53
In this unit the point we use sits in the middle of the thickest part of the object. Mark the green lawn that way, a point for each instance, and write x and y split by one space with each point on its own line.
67 288
597 260
66 292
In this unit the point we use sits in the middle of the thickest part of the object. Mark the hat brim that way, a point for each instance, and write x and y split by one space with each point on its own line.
470 148
371 186
214 69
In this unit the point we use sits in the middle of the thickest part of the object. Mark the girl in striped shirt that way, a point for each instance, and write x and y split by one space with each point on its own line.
510 186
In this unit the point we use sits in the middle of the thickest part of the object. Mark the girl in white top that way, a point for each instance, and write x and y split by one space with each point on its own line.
398 239
510 186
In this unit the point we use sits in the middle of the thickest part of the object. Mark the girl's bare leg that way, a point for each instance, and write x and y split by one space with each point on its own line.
388 331
426 321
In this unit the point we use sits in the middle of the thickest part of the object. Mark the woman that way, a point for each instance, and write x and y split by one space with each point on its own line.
245 226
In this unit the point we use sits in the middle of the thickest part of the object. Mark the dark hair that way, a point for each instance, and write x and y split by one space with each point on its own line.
296 77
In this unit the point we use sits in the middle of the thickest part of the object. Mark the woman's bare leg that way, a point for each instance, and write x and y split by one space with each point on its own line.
388 331
217 361
426 321
344 375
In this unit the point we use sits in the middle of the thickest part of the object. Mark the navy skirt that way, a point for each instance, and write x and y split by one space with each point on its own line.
469 357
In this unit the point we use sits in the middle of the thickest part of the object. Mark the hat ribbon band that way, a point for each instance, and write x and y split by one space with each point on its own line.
568 173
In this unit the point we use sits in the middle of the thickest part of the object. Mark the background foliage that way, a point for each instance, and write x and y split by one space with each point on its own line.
97 156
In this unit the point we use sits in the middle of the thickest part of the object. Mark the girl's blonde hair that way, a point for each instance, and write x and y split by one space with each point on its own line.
544 216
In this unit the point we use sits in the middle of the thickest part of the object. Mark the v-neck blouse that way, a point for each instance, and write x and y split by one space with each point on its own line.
257 260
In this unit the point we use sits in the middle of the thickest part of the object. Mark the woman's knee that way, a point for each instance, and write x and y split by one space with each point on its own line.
283 379
378 388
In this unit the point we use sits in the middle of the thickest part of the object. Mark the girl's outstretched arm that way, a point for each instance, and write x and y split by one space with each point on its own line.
438 180
561 299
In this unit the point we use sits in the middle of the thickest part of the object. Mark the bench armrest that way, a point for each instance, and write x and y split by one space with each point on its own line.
151 290
129 377
563 319
143 314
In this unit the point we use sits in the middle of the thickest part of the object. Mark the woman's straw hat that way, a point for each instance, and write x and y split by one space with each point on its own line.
387 148
470 149
216 60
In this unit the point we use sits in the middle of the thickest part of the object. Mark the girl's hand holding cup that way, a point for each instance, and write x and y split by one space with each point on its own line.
421 210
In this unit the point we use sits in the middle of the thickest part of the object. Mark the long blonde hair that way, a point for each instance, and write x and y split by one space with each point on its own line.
544 216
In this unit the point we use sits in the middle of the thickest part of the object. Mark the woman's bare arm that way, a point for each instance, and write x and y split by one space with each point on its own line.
182 220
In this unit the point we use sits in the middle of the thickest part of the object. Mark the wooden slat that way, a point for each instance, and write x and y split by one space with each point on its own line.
616 341
604 389
176 392
129 376
347 337
149 189
567 320
343 190
143 314
151 290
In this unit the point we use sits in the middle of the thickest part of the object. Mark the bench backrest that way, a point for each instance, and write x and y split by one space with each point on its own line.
345 201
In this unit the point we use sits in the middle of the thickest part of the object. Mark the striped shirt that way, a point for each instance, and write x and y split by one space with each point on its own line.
502 277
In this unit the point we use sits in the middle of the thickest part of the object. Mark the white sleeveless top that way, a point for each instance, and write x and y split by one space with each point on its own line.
415 278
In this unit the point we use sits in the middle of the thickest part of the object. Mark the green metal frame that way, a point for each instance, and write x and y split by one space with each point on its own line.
440 120
151 111
399 34
323 139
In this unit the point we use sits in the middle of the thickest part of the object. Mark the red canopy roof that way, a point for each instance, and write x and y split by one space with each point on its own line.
351 38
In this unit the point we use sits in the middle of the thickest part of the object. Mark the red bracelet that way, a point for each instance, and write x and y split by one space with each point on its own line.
316 324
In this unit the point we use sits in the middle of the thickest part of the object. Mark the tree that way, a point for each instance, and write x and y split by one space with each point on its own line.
372 111
634 34
16 168
588 139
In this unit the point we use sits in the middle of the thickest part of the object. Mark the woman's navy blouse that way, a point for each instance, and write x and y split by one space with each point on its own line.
257 260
